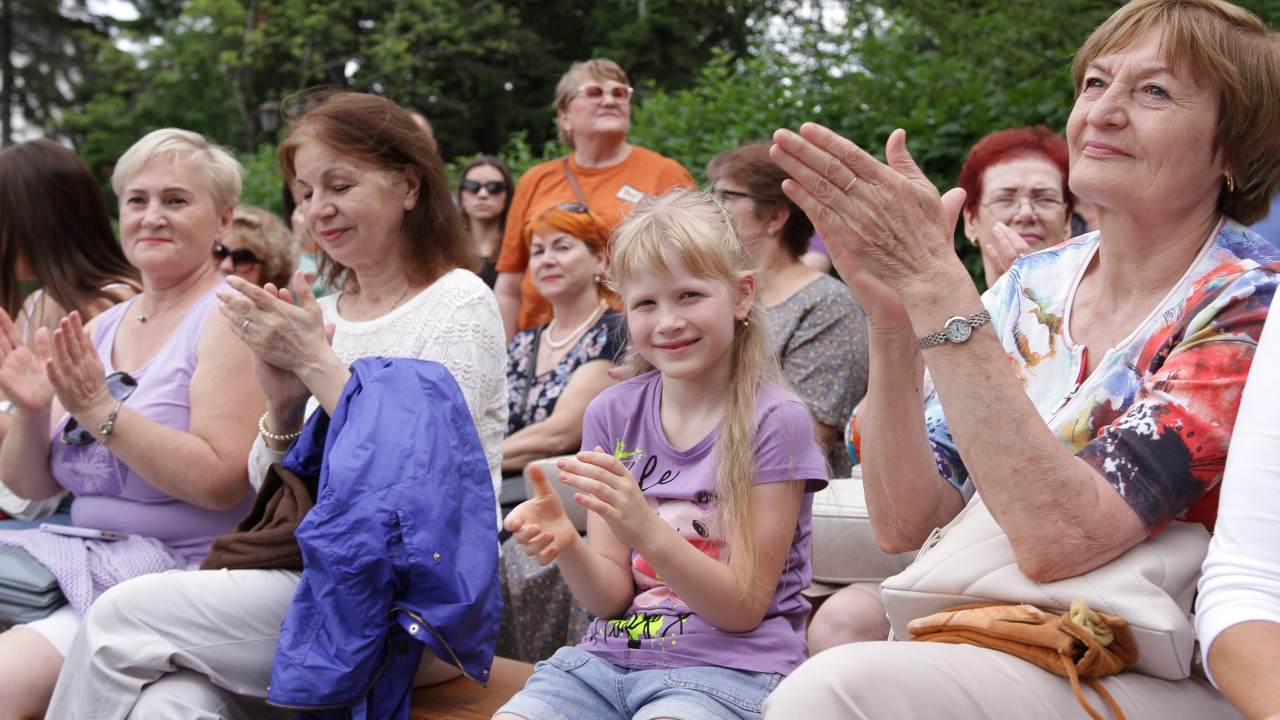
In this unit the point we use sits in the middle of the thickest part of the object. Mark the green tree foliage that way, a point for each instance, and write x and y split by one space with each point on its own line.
45 52
948 73
484 71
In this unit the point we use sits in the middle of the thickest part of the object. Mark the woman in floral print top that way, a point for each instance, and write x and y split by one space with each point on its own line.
555 369
1090 396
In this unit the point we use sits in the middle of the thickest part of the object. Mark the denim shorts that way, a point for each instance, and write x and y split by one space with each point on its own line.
575 684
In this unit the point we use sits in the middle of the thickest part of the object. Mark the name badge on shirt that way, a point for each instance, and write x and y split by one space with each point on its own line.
626 193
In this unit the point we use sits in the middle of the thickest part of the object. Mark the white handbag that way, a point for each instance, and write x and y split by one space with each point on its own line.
1151 586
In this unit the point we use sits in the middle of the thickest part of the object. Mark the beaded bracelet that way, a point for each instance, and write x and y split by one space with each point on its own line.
262 428
109 425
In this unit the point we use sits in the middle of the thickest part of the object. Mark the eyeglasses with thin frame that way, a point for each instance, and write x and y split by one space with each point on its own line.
596 93
580 208
242 259
493 187
121 385
721 194
1005 207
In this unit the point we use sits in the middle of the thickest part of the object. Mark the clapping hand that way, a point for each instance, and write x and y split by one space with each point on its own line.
609 490
22 372
540 523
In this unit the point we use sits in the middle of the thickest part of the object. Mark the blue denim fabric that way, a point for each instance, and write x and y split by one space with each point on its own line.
574 684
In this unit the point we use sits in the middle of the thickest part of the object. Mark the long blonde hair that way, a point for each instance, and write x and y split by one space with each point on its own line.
695 229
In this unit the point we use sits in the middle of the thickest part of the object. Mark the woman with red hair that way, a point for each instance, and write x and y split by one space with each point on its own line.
1016 196
555 369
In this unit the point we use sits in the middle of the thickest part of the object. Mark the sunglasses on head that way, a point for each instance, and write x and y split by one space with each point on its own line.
493 187
242 259
121 385
580 208
595 93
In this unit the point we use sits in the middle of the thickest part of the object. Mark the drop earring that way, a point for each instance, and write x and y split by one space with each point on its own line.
1231 183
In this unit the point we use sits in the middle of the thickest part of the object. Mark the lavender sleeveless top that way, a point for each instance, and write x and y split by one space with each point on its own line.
110 496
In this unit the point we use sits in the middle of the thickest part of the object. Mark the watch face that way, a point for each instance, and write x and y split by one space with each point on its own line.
957 329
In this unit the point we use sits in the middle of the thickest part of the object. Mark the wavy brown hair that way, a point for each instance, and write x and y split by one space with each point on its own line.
379 132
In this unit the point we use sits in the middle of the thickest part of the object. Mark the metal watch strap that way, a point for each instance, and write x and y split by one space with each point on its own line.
937 338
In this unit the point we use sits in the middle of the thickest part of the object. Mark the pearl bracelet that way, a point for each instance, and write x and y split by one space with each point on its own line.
262 428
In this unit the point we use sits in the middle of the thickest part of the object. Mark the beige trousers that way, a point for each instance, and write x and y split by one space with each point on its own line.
895 680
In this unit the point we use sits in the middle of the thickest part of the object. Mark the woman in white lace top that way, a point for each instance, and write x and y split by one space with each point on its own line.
376 198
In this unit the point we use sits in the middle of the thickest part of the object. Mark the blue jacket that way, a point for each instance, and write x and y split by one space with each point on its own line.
400 550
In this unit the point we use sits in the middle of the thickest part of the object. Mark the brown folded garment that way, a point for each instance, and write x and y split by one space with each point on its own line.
1081 643
265 538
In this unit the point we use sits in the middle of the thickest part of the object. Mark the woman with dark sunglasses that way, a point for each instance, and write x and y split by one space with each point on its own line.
259 249
593 107
375 195
484 198
144 413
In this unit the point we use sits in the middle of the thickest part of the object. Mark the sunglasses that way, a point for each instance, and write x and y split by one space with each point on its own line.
242 259
580 208
493 187
121 385
596 93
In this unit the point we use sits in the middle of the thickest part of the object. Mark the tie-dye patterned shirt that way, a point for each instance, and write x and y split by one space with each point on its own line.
659 630
1155 416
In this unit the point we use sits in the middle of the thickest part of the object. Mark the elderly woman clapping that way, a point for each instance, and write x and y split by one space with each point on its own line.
146 414
1089 397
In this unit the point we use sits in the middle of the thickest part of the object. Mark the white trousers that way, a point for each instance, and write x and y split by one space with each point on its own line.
192 645
880 680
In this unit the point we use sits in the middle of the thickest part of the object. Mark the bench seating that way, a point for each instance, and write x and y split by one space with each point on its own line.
464 699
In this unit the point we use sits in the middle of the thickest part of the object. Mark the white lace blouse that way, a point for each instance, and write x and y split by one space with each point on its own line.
454 322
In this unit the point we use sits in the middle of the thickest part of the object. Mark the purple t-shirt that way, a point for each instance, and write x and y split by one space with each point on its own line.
109 495
659 631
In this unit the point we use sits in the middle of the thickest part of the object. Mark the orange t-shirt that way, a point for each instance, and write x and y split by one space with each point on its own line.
610 192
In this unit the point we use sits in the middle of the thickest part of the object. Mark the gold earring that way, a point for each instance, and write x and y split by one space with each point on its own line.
1231 183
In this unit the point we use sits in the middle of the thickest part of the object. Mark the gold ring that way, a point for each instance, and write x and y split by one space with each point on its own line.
245 324
851 184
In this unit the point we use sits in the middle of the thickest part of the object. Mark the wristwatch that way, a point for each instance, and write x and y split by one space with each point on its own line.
957 330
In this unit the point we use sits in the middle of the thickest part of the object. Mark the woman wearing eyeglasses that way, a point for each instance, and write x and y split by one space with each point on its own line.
593 102
819 332
146 415
484 198
1016 196
259 249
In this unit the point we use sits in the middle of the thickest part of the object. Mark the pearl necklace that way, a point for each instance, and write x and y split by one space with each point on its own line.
556 345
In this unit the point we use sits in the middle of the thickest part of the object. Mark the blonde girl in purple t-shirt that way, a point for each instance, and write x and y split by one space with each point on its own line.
696 617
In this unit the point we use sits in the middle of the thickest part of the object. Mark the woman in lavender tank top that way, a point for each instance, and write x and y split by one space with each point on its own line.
146 414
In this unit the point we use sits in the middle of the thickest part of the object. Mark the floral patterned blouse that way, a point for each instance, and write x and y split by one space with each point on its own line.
1155 416
532 399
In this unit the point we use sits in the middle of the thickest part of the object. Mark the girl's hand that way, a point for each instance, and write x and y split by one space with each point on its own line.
887 217
540 523
22 372
611 491
998 254
76 373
